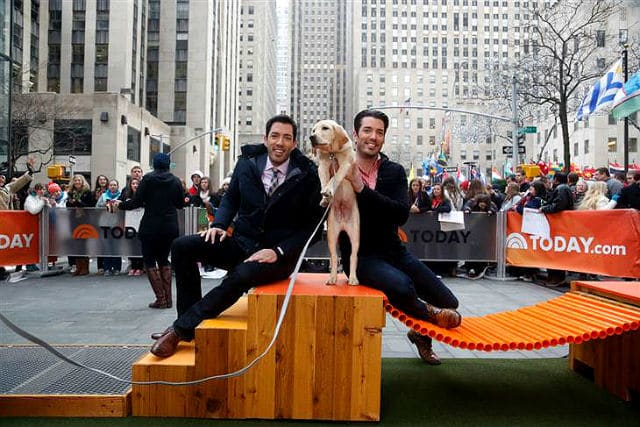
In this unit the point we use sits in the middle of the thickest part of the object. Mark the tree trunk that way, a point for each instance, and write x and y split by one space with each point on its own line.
566 143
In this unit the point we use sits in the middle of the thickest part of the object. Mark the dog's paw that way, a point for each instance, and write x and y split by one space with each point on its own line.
332 280
353 280
327 192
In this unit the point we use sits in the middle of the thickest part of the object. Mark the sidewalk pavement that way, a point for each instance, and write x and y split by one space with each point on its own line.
97 310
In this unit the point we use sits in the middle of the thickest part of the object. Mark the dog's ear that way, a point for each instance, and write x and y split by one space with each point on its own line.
341 137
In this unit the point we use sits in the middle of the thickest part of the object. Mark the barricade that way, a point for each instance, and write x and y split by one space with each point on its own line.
596 242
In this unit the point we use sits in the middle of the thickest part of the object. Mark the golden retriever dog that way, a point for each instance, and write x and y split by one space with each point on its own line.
334 151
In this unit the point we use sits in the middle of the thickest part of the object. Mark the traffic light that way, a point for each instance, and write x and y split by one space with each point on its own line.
57 172
225 143
216 142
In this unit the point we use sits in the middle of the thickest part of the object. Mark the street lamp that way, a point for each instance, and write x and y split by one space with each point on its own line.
194 138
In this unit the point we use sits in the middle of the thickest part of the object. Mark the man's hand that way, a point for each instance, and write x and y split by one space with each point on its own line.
355 178
263 255
211 233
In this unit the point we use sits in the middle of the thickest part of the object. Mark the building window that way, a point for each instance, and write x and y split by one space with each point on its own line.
576 149
633 145
72 137
612 145
612 120
600 38
154 148
133 144
586 146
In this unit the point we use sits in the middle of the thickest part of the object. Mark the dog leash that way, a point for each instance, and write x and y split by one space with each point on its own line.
42 343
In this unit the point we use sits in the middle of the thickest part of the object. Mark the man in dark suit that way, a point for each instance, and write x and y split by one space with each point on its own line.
274 203
384 263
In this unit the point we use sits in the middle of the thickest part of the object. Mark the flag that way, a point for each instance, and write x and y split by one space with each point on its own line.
495 174
602 93
412 173
627 100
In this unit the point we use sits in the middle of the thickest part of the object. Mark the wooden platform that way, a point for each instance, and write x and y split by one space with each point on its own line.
325 365
613 362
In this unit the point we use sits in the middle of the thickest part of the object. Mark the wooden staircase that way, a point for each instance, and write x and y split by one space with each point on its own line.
325 365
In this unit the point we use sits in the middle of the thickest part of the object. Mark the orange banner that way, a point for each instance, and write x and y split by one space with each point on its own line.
597 242
19 238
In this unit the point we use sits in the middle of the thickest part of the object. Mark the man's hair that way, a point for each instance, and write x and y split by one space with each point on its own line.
283 118
560 177
620 176
376 114
136 167
604 171
573 177
38 186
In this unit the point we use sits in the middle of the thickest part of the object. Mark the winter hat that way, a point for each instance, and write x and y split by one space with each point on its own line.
227 180
200 174
53 187
161 161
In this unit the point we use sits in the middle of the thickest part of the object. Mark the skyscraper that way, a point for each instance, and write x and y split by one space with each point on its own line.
257 97
321 54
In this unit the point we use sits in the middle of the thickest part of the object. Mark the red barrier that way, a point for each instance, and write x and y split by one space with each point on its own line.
598 242
19 238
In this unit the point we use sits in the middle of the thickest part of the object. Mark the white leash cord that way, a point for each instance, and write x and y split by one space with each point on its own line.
237 373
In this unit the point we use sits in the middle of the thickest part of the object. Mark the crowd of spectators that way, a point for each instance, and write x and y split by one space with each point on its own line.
547 194
21 193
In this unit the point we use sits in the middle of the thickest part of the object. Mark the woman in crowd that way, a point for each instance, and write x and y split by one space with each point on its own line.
79 196
439 201
453 193
534 198
596 198
512 197
111 265
160 194
135 263
580 191
418 198
204 197
475 187
102 184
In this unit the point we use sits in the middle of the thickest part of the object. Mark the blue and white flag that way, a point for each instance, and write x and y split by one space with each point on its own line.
602 93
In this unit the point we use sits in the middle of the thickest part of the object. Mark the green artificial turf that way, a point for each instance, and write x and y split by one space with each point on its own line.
459 393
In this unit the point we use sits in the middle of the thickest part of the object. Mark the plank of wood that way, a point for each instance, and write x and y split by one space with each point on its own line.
260 382
64 406
324 357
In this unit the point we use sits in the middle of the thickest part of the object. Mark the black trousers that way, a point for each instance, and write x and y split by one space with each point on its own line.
192 307
155 249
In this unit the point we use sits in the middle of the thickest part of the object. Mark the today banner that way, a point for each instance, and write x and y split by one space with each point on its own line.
19 238
603 242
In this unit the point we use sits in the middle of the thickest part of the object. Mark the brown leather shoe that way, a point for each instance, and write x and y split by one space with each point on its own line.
424 346
166 345
158 335
447 318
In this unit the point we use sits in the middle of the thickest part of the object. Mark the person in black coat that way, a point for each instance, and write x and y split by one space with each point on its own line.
160 194
384 263
274 203
629 196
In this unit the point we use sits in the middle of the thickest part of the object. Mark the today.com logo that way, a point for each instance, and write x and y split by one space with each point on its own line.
575 244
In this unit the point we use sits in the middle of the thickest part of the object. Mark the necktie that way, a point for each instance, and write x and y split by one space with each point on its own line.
274 181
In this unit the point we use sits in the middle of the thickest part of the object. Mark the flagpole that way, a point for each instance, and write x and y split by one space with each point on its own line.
625 70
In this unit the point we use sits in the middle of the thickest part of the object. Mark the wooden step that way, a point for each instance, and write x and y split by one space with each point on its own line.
326 362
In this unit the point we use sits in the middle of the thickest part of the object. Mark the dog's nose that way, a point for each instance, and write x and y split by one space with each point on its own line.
313 139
